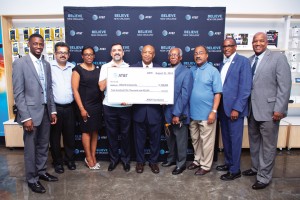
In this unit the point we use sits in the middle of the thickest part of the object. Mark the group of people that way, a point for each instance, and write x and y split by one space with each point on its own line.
50 95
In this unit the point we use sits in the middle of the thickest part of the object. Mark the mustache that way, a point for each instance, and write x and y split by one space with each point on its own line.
117 54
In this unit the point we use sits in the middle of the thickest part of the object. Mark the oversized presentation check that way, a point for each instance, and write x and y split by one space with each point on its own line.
137 85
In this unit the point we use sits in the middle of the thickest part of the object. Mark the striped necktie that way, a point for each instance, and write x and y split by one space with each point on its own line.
42 78
254 66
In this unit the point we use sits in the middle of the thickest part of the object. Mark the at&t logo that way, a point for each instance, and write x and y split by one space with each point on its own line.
119 33
73 33
142 17
165 33
190 17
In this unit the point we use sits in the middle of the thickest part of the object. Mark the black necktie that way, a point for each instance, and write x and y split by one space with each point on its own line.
254 66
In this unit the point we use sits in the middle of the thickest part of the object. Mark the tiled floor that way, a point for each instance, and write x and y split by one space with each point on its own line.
85 184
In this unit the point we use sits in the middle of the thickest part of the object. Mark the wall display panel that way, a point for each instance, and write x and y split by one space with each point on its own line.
134 27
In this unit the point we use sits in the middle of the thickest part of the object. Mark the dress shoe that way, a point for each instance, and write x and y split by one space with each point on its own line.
193 166
37 187
71 165
259 185
201 172
59 169
178 170
126 167
230 176
249 172
48 177
222 168
168 164
139 168
154 168
112 166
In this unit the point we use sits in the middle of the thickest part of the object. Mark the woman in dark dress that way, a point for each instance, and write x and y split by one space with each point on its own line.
88 97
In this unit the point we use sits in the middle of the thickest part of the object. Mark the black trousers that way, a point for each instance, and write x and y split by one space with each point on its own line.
117 127
65 126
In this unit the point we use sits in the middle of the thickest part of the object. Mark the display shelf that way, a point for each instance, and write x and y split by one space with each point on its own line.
21 21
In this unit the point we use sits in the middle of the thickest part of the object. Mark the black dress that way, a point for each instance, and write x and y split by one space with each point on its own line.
91 98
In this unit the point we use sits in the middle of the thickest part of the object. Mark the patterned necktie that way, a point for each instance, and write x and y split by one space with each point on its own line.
42 78
254 66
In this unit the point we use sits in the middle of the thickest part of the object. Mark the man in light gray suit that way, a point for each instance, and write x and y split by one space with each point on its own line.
32 88
268 105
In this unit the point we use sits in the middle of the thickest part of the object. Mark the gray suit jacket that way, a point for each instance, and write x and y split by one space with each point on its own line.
271 86
28 91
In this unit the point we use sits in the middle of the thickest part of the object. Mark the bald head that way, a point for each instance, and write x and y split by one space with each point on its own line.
148 53
259 43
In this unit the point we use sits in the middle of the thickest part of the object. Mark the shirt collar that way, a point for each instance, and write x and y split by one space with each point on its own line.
202 66
115 64
230 58
33 58
150 65
260 56
68 65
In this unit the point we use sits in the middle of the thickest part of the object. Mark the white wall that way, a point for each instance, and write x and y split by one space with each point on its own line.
55 7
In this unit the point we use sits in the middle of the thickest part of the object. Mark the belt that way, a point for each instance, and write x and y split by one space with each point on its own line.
64 105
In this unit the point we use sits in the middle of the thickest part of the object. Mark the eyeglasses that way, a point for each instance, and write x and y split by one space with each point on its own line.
225 46
62 53
88 55
199 53
174 55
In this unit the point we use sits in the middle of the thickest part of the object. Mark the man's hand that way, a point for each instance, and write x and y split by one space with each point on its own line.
175 120
211 118
28 125
234 115
277 116
53 119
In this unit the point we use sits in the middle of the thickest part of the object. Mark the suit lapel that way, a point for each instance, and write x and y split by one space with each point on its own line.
261 64
231 67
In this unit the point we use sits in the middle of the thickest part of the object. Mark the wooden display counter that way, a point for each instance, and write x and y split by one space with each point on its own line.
13 134
293 140
282 135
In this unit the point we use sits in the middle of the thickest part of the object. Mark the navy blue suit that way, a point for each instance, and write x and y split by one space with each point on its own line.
236 91
147 118
178 138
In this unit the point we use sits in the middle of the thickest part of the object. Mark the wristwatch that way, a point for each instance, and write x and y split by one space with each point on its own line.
215 111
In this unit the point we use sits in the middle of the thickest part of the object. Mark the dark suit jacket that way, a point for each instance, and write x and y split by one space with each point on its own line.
152 112
182 92
28 91
237 86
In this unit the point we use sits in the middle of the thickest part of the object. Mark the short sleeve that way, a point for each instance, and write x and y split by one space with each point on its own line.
217 82
103 73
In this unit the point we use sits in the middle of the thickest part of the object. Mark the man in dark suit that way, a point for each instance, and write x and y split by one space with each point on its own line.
269 103
236 80
178 114
32 87
147 118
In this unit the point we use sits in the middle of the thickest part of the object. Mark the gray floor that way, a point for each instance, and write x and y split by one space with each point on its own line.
86 184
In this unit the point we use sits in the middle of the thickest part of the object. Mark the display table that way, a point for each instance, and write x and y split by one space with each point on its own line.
13 134
282 135
294 132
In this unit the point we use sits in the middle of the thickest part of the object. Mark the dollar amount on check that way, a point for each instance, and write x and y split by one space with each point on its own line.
136 85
